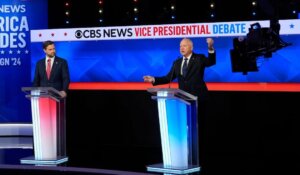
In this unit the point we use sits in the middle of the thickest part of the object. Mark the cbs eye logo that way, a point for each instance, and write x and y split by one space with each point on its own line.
88 34
78 34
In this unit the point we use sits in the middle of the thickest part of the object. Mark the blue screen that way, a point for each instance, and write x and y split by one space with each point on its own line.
17 17
129 60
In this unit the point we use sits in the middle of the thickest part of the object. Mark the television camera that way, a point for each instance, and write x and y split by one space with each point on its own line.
259 41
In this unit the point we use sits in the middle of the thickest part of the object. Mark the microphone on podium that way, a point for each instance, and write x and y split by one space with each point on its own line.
172 72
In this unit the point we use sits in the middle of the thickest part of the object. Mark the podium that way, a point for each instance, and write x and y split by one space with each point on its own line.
177 112
48 121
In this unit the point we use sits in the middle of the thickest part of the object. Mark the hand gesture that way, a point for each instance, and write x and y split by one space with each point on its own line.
210 43
148 79
63 94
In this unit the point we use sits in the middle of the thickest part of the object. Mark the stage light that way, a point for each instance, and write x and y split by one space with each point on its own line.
254 3
135 1
136 18
253 13
212 11
100 11
135 9
67 11
172 13
294 11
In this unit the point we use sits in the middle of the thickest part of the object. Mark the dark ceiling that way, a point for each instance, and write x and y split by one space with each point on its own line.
85 13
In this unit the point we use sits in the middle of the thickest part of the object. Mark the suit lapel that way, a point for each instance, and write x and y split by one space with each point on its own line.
54 67
178 67
190 65
43 67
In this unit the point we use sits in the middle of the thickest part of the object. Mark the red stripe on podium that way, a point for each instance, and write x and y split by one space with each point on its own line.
271 87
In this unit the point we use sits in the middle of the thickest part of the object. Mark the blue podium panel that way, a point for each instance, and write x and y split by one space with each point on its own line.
173 125
179 131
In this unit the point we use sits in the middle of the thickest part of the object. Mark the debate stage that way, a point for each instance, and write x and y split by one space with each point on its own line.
118 132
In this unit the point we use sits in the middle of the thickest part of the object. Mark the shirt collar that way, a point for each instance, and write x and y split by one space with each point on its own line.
51 58
188 57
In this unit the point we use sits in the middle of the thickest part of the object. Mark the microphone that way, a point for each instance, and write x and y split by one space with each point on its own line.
172 72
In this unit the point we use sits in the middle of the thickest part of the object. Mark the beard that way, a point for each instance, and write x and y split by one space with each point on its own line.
51 55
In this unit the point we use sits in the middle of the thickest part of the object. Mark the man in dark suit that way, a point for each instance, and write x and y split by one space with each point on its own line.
52 71
190 79
189 70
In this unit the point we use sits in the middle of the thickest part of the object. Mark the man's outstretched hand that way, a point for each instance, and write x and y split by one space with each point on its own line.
148 78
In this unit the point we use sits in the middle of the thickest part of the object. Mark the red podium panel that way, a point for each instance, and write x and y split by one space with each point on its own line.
48 120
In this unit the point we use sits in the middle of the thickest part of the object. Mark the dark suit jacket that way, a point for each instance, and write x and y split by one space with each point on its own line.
59 77
193 83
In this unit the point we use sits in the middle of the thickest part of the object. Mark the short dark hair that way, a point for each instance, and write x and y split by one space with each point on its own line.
47 43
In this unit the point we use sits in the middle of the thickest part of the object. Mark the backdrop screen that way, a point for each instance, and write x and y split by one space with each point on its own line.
129 60
17 18
95 55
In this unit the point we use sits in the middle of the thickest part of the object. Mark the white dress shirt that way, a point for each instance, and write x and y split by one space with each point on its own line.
52 61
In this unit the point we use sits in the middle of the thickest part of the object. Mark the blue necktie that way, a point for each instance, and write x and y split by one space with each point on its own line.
184 67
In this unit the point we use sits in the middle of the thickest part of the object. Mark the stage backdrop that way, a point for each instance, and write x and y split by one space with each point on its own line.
125 54
17 18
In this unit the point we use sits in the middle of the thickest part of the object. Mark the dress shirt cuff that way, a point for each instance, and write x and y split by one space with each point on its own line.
211 51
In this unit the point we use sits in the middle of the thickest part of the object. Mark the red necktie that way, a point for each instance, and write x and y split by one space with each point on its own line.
48 69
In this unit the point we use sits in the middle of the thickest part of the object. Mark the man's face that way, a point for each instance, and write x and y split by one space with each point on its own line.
186 47
50 50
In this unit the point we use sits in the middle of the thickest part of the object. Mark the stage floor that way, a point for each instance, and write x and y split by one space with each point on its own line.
215 165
